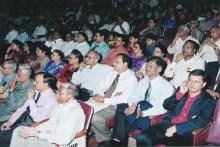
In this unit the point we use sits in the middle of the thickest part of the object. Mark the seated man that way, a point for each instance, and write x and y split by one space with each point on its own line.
147 100
184 63
66 120
89 75
9 74
189 108
181 37
37 108
17 93
119 48
114 89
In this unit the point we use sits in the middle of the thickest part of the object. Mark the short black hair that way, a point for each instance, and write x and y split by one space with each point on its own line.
135 35
151 36
126 58
103 33
195 44
84 35
49 79
199 72
159 62
123 38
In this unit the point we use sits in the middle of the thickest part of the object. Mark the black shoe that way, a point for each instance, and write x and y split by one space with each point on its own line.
104 144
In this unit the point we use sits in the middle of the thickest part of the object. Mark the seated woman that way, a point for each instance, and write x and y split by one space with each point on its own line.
28 55
15 51
55 65
75 59
138 57
161 51
42 52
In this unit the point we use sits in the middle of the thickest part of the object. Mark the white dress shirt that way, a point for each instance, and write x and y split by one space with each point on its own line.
125 86
126 27
57 44
180 71
66 120
177 48
89 34
89 78
160 90
38 111
68 47
83 47
208 53
11 35
39 30
48 43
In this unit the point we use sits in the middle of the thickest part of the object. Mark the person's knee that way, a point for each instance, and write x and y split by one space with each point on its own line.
97 119
143 140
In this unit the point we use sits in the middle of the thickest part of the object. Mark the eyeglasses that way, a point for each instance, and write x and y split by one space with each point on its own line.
89 57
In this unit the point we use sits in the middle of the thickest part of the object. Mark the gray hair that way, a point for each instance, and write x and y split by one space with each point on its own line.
25 69
11 64
72 89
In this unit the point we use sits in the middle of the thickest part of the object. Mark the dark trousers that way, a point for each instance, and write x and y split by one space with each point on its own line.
123 124
212 71
84 94
5 137
155 135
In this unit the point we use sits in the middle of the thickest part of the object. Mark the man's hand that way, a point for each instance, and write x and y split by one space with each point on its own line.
12 85
213 93
130 110
139 112
6 126
178 57
31 93
98 98
25 132
184 87
171 131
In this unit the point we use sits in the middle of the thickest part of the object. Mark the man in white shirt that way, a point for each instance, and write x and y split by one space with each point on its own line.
146 100
58 42
37 108
69 44
39 33
90 75
209 49
66 120
114 89
122 26
12 34
82 44
181 37
87 31
184 63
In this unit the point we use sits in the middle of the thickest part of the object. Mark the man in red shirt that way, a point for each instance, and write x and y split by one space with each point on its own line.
189 108
119 48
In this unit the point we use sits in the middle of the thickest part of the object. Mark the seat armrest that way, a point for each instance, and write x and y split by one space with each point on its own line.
198 131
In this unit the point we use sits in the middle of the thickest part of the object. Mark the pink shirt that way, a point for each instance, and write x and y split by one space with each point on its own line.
182 117
112 55
38 111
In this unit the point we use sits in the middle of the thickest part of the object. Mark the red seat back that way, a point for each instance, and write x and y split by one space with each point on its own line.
88 110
